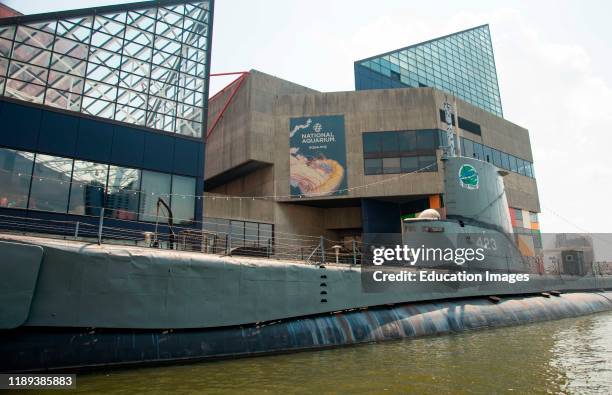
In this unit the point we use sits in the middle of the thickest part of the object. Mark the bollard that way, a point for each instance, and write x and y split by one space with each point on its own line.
76 231
100 226
322 247
354 253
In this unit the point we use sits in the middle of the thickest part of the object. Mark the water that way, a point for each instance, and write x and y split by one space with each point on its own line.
567 356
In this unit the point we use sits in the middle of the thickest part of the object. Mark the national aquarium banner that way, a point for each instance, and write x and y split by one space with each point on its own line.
317 150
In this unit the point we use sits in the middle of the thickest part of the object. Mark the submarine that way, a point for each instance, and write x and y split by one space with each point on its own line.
69 305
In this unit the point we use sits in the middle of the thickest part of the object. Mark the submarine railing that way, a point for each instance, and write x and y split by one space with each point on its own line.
106 229
270 244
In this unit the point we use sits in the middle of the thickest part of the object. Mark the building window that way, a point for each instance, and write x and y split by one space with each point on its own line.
397 152
183 199
500 159
428 161
88 188
123 193
15 176
373 166
50 184
391 165
154 186
410 164
372 143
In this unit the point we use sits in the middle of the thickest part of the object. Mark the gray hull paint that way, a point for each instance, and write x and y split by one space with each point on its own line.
84 285
71 349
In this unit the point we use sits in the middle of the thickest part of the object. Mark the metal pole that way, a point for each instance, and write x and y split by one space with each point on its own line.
100 226
76 231
322 247
228 243
354 253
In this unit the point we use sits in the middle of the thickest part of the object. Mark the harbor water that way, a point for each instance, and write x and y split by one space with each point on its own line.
572 355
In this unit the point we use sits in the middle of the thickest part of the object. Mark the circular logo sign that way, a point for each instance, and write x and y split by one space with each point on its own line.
468 177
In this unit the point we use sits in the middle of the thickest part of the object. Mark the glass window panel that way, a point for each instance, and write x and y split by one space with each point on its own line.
265 234
496 158
65 82
153 187
68 64
183 199
409 164
34 37
391 165
76 29
7 32
237 233
5 47
100 91
31 55
28 73
521 166
129 114
15 176
73 48
407 141
487 154
98 107
390 142
505 160
426 140
428 163
24 91
373 166
529 169
188 128
478 152
50 183
106 58
131 98
251 237
62 99
138 36
88 188
123 193
468 147
3 66
513 164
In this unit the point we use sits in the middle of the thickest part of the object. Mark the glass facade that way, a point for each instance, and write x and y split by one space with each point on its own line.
461 64
63 185
503 160
143 66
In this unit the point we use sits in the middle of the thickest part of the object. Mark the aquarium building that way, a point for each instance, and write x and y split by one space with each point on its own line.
340 164
104 108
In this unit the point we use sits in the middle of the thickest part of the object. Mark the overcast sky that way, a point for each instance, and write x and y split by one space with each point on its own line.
554 62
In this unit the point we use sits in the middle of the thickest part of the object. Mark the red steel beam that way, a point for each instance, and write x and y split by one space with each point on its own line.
238 83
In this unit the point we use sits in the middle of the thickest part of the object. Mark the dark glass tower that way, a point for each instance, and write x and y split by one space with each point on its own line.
105 108
461 64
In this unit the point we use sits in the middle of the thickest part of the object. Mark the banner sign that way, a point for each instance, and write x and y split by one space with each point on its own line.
317 156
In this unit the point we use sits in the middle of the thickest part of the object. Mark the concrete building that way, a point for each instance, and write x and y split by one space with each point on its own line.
387 141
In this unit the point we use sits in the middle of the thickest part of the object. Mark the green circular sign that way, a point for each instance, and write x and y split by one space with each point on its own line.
468 177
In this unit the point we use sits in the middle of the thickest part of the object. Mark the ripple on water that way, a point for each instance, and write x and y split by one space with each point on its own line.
567 356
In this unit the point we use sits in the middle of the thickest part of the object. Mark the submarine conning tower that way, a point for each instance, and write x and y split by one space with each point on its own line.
475 193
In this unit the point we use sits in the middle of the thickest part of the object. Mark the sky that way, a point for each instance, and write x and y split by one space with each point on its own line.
553 59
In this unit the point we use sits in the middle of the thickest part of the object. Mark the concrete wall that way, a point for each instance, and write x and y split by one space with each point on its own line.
256 130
